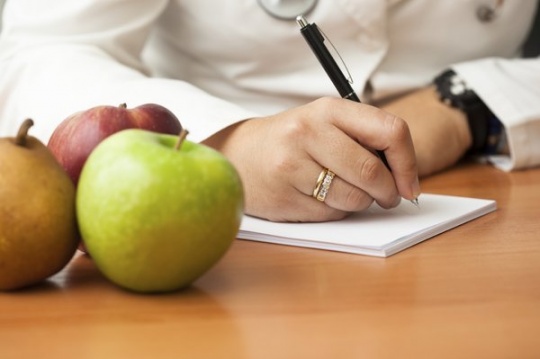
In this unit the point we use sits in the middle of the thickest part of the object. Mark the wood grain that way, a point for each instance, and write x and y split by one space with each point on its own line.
472 292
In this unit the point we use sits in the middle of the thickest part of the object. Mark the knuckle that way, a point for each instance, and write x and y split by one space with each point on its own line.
357 200
326 102
327 105
370 169
295 128
283 163
399 129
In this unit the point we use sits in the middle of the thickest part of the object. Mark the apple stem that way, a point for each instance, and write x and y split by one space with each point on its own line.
20 139
181 137
122 105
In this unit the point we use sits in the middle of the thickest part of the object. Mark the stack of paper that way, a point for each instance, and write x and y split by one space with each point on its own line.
375 231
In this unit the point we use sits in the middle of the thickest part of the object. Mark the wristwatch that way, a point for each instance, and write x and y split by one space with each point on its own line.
454 92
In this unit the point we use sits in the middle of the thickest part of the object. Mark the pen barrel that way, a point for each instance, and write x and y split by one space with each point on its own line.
315 40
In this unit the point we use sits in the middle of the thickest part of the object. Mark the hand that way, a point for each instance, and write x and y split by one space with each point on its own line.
440 133
279 159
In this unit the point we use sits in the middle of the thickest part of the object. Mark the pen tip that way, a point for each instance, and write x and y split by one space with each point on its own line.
415 202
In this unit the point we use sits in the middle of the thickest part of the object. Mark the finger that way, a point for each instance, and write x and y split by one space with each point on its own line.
355 165
303 208
278 198
401 157
346 197
317 211
380 130
341 194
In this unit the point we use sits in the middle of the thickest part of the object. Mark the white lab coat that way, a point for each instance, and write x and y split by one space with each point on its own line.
217 62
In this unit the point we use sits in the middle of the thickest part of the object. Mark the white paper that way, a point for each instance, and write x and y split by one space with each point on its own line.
375 231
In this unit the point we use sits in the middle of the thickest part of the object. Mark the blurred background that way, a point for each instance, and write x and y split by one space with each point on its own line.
1 6
531 49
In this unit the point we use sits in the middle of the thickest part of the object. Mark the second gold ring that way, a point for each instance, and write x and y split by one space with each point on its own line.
323 184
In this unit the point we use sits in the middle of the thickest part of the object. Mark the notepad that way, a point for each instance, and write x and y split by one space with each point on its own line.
374 231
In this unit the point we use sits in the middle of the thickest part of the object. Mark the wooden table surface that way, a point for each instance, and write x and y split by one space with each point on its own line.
472 292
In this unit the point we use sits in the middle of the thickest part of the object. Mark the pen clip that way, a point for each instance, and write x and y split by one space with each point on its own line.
349 76
338 73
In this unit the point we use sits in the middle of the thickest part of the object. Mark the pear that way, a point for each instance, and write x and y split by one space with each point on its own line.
38 226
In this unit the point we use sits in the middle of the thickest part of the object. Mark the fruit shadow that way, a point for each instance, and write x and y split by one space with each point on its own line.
183 317
79 272
45 286
82 274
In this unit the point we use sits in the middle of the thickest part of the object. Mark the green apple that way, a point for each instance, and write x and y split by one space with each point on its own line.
155 217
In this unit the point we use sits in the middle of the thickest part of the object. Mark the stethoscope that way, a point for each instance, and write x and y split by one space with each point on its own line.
290 9
287 9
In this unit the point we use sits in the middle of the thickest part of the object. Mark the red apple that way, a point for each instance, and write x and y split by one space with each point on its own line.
76 136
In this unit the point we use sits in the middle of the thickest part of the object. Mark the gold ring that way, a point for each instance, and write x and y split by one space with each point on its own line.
323 184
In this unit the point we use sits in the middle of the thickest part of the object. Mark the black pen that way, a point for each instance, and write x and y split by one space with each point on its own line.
315 40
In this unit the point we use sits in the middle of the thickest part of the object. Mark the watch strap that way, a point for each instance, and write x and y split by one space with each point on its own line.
454 92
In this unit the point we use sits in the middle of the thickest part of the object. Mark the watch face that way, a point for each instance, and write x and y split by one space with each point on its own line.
454 91
457 86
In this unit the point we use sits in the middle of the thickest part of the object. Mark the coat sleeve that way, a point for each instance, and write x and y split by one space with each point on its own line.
58 57
511 89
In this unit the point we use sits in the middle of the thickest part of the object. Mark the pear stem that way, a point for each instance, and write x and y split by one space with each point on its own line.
181 137
20 139
122 105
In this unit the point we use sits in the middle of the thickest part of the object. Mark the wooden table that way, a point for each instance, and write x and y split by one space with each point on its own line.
472 292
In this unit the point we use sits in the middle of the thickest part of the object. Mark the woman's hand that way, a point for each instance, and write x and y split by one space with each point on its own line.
280 157
440 133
